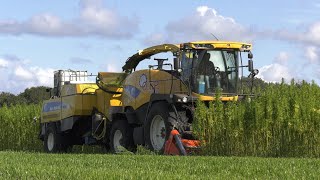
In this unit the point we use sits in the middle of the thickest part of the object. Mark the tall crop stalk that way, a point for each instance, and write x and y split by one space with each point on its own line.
19 131
283 120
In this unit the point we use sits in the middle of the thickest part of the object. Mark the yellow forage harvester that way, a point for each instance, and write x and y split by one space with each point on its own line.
153 107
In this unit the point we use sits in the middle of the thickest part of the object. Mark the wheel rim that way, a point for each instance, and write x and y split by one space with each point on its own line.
157 132
50 142
117 140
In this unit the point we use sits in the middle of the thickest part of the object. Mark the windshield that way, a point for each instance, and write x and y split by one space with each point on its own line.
210 70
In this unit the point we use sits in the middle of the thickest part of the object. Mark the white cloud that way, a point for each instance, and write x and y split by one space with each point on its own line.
309 35
44 76
93 20
313 33
200 25
312 54
19 75
203 10
275 73
3 63
46 24
307 40
303 69
278 69
22 74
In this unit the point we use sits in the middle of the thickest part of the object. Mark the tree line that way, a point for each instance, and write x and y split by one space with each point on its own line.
33 95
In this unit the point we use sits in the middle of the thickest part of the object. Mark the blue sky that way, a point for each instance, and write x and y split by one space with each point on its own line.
38 37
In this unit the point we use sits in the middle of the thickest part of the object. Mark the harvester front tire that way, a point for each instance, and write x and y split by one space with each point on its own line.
52 140
158 127
121 137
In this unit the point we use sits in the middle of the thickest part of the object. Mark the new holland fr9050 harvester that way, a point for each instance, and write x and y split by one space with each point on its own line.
153 107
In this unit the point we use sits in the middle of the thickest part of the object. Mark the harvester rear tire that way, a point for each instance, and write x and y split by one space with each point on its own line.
52 140
121 135
158 126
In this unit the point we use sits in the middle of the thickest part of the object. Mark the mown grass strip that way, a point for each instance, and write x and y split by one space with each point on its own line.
20 165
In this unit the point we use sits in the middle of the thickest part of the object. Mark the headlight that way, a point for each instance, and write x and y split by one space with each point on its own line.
184 99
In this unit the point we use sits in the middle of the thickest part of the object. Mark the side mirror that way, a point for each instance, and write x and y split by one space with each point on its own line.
250 55
176 63
250 65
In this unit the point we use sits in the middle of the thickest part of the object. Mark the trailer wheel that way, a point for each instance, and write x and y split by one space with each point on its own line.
121 136
52 140
158 126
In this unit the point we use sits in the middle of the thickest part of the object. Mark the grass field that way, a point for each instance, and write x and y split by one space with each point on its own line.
22 165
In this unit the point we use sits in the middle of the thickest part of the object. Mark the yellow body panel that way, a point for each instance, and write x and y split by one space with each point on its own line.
67 106
139 86
86 88
51 110
75 100
71 89
105 101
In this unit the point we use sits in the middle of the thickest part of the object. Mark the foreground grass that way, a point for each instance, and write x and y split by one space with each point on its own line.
21 165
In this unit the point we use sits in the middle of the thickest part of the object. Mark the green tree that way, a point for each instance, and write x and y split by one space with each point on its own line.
35 95
8 99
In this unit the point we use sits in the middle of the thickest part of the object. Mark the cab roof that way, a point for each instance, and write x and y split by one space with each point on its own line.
219 45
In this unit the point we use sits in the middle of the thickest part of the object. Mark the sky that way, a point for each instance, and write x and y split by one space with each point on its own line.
39 37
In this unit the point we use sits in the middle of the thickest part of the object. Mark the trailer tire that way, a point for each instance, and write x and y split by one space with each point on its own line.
121 135
52 140
158 126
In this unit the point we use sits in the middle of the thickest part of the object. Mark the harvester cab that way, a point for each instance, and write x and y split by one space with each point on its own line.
214 66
